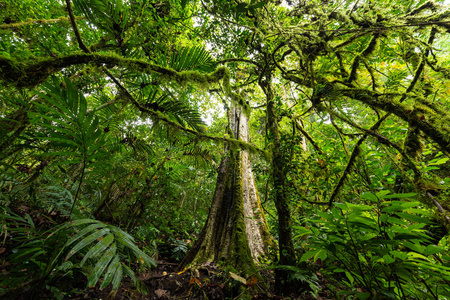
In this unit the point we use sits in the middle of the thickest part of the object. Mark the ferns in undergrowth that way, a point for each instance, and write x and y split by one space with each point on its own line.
72 140
103 252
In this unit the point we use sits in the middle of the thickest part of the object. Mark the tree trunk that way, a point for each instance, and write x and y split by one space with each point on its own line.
286 245
236 230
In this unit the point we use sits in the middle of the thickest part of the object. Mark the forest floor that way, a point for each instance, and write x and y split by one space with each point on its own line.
204 282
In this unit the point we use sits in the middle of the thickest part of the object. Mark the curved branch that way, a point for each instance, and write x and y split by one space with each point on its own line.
382 139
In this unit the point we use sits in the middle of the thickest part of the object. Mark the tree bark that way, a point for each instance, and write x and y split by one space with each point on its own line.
236 231
286 245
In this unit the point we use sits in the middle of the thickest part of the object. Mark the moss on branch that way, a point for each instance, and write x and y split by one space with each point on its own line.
440 133
36 22
30 74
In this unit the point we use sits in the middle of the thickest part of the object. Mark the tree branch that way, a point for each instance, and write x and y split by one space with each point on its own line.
75 28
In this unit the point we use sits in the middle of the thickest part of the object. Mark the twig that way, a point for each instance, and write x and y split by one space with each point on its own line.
439 206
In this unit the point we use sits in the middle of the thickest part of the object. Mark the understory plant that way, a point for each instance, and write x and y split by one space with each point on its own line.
40 260
387 250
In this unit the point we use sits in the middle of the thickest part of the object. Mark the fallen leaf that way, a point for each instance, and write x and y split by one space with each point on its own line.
252 281
238 278
160 293
195 281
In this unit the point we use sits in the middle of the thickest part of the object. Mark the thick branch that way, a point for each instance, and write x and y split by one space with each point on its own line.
31 74
36 22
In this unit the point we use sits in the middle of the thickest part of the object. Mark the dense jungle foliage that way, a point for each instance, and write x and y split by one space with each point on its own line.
114 119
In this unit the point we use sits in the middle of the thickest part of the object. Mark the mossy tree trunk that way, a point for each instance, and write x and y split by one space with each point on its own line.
236 231
279 162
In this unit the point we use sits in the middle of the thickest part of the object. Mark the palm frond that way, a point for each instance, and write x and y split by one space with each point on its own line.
106 244
112 16
192 58
68 128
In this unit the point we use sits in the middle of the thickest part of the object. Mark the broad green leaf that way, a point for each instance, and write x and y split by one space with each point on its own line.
388 259
308 255
405 195
433 249
369 196
413 218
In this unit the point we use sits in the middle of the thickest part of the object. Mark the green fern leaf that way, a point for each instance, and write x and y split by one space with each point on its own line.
192 58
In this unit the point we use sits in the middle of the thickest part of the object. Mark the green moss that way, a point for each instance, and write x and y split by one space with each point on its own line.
413 145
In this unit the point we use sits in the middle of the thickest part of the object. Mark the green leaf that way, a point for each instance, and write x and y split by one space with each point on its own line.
433 249
350 277
87 241
404 195
439 161
308 255
101 266
369 196
413 218
99 247
112 269
388 259
118 278
85 230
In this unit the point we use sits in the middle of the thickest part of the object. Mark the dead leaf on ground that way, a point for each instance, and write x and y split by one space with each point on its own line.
238 278
195 281
161 293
